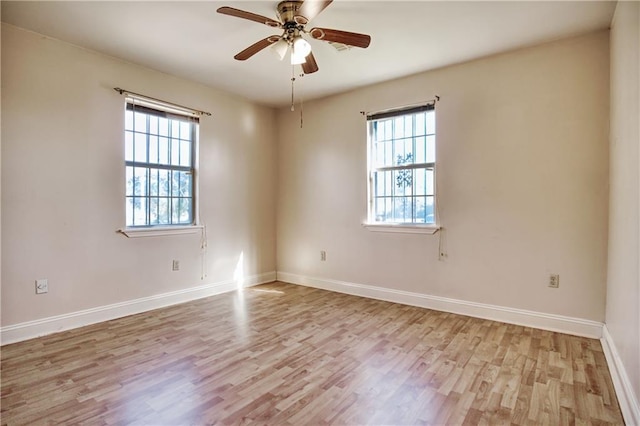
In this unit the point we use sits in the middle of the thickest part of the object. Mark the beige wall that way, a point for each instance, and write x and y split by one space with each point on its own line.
522 175
522 148
63 183
623 284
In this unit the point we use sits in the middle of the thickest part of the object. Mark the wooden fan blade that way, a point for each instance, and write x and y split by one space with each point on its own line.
225 10
256 47
310 9
344 37
310 65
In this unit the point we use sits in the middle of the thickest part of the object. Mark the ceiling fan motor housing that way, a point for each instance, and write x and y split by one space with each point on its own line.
288 12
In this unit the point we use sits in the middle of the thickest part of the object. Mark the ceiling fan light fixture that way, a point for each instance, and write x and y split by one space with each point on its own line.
299 50
297 59
301 46
280 48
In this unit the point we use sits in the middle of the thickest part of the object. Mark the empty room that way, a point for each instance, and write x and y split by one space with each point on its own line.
319 212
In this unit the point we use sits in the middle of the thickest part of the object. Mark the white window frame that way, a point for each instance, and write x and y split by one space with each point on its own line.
182 114
411 226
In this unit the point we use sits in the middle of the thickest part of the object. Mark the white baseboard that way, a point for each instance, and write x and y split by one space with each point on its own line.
29 330
629 404
562 324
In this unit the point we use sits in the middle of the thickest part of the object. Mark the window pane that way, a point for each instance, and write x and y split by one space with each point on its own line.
389 184
409 156
163 150
153 182
383 154
175 152
430 182
403 211
421 155
129 211
139 211
384 209
128 146
378 155
431 149
408 125
153 149
163 211
419 182
419 210
175 129
379 209
181 184
185 130
163 127
403 180
388 130
420 129
174 210
140 181
398 147
423 182
128 120
129 178
153 124
388 205
404 152
186 185
429 210
153 211
163 183
140 147
140 123
185 210
185 153
385 185
378 184
398 127
431 122
374 131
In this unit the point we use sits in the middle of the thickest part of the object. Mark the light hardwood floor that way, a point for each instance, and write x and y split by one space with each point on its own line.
285 354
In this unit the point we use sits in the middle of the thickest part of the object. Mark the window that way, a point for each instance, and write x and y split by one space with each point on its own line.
402 163
160 148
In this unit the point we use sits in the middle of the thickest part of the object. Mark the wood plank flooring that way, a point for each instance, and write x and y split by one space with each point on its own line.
285 354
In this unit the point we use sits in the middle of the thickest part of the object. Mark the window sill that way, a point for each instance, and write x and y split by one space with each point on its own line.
402 228
160 231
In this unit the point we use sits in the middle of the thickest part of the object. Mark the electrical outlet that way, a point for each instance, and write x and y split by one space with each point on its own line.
554 280
42 286
323 255
176 265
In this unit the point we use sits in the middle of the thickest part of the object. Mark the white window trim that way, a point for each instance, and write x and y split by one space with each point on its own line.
160 231
397 227
157 230
402 228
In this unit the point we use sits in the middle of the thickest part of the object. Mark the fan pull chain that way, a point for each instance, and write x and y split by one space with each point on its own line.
293 79
301 101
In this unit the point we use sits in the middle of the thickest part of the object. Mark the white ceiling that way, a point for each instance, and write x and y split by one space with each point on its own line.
191 40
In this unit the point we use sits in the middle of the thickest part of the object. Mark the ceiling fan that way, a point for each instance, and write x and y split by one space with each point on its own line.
292 18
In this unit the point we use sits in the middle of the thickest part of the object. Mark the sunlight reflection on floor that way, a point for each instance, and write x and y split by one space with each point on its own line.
267 290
